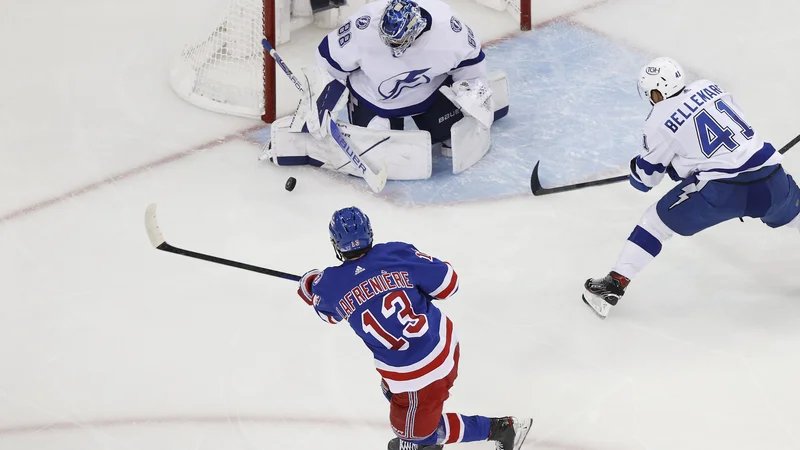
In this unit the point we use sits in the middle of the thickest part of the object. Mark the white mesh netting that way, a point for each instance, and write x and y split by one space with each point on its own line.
513 7
223 71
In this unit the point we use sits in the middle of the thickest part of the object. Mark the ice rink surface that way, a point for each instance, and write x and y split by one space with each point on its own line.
106 343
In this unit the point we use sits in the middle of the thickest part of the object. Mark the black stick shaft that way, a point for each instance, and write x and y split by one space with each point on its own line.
227 262
537 189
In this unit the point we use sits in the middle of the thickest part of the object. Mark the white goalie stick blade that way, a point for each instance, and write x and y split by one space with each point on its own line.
151 224
376 181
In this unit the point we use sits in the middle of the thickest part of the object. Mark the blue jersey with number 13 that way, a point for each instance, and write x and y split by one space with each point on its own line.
386 296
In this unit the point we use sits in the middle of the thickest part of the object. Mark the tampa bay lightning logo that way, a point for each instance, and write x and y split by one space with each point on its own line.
455 24
391 88
362 22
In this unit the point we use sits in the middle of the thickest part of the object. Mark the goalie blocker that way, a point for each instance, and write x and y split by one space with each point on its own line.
407 154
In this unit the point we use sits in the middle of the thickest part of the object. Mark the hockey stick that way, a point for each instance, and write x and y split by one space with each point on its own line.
376 181
537 189
158 241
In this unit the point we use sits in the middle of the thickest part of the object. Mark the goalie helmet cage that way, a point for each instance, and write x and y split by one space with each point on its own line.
228 71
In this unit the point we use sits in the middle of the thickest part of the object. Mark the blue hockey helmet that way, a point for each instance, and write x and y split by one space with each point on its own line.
401 23
350 232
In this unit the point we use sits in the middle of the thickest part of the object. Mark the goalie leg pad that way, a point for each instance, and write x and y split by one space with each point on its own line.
470 142
407 154
499 85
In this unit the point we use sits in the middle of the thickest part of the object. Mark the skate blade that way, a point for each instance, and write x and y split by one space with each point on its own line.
522 433
583 297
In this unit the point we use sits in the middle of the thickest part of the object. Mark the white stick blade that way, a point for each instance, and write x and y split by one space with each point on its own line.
380 181
151 225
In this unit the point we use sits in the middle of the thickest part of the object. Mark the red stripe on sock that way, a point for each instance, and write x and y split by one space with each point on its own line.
455 428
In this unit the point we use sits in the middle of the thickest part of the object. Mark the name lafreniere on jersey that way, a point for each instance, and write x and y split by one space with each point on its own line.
699 98
371 287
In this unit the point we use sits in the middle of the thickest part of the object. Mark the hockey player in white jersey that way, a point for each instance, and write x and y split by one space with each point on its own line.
397 59
698 136
422 46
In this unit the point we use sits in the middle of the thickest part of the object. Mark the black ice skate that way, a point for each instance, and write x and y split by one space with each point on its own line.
603 293
397 444
509 432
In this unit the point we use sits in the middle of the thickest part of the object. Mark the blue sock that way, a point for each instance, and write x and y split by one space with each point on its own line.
454 428
458 428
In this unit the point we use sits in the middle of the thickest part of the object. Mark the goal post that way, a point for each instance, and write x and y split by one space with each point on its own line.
270 94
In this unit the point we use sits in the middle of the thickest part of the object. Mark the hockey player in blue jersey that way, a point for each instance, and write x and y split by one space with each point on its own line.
386 292
699 136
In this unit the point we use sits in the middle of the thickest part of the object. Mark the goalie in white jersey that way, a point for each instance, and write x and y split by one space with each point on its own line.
393 60
698 136
422 46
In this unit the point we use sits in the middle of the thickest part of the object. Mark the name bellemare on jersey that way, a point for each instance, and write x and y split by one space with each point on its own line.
702 131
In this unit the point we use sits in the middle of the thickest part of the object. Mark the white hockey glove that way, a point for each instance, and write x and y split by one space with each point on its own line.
474 97
322 94
308 115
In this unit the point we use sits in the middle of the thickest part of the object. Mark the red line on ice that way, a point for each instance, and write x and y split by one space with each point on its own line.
188 420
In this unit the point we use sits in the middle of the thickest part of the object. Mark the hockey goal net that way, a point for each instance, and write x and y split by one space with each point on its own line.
226 69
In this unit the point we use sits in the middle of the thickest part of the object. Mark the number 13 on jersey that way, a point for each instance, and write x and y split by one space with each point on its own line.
397 304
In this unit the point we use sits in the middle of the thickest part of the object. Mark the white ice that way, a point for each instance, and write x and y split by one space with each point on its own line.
106 343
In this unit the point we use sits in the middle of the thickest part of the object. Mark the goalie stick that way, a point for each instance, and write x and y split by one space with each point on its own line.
158 241
376 181
537 189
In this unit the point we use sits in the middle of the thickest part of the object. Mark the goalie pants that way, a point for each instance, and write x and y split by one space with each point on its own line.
417 416
437 120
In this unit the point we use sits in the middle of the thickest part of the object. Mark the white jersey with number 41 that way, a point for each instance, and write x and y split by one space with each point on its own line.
700 132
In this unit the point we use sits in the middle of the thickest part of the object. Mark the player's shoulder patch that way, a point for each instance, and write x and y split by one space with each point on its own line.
363 22
455 24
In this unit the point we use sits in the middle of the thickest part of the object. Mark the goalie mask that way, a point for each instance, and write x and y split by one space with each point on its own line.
401 24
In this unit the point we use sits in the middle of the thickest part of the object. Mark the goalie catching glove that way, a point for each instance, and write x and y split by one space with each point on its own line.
474 98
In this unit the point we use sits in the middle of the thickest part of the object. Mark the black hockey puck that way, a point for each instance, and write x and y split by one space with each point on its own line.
290 183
